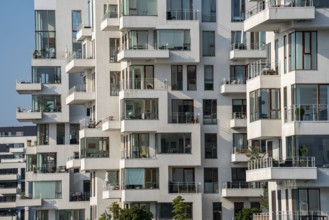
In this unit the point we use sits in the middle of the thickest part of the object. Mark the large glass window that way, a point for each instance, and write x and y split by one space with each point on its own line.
303 50
210 180
238 74
238 40
140 77
76 22
264 104
310 146
46 103
46 162
209 111
173 143
240 143
191 77
138 7
74 133
47 190
238 9
60 133
46 74
114 48
239 108
210 145
41 215
114 83
177 77
95 147
182 111
42 134
208 43
137 146
217 211
209 77
173 39
239 174
310 102
141 178
45 34
180 10
145 109
138 40
182 180
208 10
306 201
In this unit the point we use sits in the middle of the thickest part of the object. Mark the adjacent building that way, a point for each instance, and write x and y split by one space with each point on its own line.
13 144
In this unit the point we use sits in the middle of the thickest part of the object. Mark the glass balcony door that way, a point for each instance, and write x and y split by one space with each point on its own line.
140 77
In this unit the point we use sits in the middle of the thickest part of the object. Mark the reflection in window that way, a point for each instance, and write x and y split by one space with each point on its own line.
208 10
209 111
182 111
210 180
306 201
141 178
191 77
47 190
173 143
238 74
68 214
95 147
302 52
46 74
138 7
145 109
265 104
240 143
208 43
177 77
76 22
238 10
173 39
42 134
45 33
46 103
210 144
114 83
209 77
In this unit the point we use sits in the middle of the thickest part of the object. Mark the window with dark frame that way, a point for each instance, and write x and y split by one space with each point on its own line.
210 143
208 77
177 77
191 78
210 111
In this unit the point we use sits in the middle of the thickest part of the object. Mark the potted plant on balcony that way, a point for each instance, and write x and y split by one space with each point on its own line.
36 54
299 113
303 150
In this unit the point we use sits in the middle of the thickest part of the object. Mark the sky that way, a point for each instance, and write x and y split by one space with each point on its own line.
16 46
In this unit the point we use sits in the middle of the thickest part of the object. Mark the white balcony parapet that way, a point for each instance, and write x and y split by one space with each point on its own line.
143 153
307 113
247 51
111 123
291 162
110 21
110 192
233 86
143 51
23 114
276 4
84 31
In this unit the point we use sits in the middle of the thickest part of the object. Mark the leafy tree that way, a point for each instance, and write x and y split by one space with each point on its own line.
181 210
135 214
253 153
115 210
247 213
264 198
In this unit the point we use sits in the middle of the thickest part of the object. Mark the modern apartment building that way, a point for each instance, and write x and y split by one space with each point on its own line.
13 142
138 101
287 99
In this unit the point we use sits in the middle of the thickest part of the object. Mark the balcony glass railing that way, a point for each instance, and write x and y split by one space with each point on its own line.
240 150
247 46
211 187
79 196
241 185
183 14
144 84
289 162
239 115
184 187
139 153
310 112
111 14
183 118
262 67
284 3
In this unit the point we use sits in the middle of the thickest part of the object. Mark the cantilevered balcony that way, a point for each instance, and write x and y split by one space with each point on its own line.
27 115
268 169
182 14
78 95
241 189
110 22
271 15
241 51
139 52
111 123
28 201
184 187
111 192
26 87
239 120
239 155
84 31
73 162
78 63
233 86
